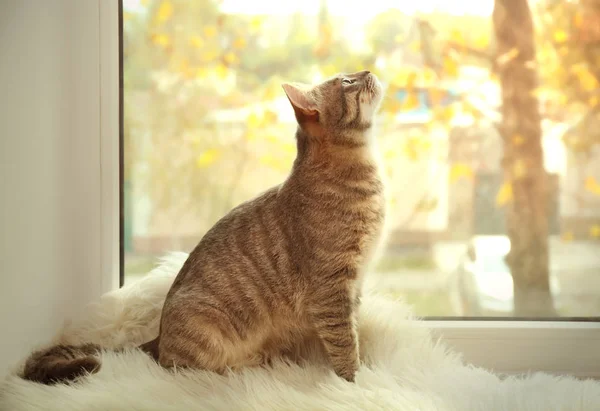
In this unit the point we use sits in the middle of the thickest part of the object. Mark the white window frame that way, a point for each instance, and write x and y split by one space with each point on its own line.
109 140
510 347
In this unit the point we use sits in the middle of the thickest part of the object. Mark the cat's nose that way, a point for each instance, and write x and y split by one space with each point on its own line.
360 74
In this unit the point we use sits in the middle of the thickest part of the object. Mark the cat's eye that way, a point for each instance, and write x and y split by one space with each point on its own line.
347 81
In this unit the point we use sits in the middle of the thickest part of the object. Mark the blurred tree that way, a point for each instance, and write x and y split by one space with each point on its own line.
325 34
185 62
388 30
179 61
523 162
432 58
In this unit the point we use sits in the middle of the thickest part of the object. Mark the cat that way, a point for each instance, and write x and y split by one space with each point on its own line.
285 267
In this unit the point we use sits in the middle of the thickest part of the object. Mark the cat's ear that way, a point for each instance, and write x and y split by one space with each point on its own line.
303 103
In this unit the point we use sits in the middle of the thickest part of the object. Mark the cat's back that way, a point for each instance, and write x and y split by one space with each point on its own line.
245 255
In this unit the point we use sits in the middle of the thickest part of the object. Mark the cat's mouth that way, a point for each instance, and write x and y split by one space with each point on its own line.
372 89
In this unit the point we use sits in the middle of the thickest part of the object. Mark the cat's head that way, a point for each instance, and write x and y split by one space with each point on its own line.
341 108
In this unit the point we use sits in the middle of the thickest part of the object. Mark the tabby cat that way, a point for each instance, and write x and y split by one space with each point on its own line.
285 266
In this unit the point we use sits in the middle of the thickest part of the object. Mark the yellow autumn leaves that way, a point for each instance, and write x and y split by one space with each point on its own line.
208 157
460 170
410 78
263 125
560 36
204 40
256 119
458 38
215 61
164 12
414 146
257 127
505 195
161 39
586 79
593 232
591 185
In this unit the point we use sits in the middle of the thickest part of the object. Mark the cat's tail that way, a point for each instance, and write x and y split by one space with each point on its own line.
66 363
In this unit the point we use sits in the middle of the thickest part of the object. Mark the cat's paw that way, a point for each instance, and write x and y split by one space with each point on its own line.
348 372
348 375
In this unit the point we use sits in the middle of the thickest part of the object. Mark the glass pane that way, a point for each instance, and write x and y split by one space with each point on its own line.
207 126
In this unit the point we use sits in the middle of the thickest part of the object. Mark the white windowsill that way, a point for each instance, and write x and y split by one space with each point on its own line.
516 347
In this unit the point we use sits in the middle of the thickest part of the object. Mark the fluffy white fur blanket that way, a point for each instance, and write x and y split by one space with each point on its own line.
403 369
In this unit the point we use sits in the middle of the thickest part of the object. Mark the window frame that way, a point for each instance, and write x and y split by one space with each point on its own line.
111 138
504 346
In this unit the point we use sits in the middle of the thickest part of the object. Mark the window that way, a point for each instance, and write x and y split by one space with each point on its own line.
207 126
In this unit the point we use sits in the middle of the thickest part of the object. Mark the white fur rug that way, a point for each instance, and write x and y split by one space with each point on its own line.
403 369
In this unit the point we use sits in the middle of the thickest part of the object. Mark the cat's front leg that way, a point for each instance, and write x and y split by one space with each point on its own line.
333 317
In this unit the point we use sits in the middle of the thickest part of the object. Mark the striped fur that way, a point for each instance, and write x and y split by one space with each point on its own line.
287 265
61 363
284 268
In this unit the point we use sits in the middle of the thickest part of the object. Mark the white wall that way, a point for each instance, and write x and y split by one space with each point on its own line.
51 187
